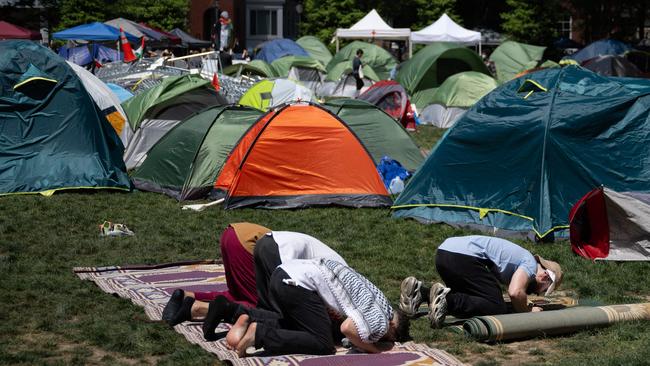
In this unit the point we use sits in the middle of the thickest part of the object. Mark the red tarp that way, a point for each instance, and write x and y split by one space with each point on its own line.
11 31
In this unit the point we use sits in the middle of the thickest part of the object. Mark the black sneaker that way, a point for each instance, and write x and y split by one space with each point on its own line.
173 305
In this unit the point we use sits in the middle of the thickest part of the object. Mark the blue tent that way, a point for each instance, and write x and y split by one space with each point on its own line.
83 56
93 32
121 93
276 48
601 48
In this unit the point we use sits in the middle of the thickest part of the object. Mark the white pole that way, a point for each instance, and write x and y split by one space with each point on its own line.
479 48
337 44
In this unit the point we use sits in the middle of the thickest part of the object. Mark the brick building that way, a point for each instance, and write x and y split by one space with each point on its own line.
254 21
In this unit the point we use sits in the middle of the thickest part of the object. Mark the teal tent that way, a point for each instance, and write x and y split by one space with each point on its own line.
52 135
512 58
525 153
184 164
433 64
379 132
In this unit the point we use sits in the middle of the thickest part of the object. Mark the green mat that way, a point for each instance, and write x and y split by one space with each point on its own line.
526 325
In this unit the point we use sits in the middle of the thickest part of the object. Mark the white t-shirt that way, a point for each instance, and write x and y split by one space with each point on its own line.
292 245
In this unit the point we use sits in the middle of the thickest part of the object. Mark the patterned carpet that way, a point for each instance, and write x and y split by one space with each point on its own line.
150 287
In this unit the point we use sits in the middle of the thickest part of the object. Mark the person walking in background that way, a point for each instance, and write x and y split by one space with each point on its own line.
473 269
357 70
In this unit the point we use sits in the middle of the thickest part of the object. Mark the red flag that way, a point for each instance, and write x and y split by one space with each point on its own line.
215 82
126 48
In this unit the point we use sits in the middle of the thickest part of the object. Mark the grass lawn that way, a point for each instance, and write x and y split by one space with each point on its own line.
48 316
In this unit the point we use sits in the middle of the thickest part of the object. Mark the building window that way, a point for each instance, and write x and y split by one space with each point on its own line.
264 22
565 27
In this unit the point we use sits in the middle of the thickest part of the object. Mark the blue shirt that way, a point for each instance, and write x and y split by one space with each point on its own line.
506 256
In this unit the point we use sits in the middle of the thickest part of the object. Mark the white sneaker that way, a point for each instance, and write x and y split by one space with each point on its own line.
437 304
410 297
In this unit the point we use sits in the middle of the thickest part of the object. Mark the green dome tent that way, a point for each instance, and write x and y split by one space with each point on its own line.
307 70
454 97
269 93
315 48
524 154
283 65
380 62
253 68
511 58
52 135
184 164
379 132
155 111
433 64
377 64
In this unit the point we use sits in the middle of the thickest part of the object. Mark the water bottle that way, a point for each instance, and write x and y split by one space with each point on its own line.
396 185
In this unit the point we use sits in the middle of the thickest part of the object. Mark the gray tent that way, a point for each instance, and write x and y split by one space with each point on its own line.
189 41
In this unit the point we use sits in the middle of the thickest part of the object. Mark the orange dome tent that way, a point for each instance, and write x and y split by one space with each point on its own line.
301 155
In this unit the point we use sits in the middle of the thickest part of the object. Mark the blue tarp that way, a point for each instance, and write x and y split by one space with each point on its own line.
121 93
83 56
276 48
389 169
601 48
93 32
79 55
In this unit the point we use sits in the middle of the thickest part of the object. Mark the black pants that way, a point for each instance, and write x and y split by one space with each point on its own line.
267 259
475 289
304 325
359 81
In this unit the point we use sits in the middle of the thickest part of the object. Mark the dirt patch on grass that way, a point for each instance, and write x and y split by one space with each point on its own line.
55 348
508 354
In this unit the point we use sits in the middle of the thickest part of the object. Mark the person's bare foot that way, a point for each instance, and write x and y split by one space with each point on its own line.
237 332
248 340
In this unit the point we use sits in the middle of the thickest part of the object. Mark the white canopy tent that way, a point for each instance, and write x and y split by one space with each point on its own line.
373 26
446 30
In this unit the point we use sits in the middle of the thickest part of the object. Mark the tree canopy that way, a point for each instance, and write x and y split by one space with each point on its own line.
164 14
322 17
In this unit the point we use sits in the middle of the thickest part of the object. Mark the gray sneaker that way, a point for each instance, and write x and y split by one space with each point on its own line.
410 297
437 304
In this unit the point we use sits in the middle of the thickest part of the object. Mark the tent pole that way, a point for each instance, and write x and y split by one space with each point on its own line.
337 44
410 48
479 48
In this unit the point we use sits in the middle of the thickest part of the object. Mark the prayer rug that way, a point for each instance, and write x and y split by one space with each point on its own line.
150 286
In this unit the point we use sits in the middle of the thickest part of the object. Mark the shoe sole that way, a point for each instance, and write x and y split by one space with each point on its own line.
408 298
437 305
